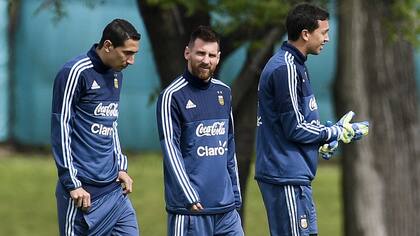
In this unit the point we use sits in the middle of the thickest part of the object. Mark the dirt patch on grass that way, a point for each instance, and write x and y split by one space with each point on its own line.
6 150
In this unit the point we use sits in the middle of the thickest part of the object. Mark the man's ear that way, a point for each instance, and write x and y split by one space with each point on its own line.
187 53
218 57
305 35
108 45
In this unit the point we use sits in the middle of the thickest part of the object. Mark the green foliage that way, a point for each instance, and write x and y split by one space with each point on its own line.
28 202
239 21
404 21
191 5
231 15
252 14
59 8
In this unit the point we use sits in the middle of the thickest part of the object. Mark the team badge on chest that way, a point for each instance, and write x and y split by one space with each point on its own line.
221 100
115 81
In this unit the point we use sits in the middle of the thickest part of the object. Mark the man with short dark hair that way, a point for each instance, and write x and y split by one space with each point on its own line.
195 124
289 133
93 182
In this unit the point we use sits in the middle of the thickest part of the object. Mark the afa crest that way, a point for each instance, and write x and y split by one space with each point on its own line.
221 100
303 222
115 81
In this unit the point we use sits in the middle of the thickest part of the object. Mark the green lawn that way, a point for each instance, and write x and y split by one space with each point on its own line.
27 202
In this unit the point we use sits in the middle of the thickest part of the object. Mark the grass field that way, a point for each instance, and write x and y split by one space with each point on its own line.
27 202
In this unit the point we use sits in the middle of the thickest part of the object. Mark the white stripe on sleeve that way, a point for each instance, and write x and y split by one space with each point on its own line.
292 81
71 85
236 162
167 128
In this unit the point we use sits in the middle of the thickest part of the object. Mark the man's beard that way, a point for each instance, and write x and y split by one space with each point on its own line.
203 75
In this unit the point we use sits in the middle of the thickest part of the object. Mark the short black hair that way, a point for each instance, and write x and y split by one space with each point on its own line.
118 31
304 16
204 33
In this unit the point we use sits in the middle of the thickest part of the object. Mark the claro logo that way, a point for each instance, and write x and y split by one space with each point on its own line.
109 110
217 128
102 130
207 151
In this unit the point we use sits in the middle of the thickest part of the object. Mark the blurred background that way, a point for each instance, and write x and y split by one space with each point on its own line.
371 65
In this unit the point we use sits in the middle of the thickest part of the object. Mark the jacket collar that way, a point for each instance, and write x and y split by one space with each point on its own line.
98 65
299 57
195 81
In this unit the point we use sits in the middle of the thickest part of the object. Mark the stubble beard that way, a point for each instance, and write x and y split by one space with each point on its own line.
202 75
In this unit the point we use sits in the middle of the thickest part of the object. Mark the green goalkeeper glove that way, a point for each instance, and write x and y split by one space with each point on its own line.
361 129
342 130
345 131
327 150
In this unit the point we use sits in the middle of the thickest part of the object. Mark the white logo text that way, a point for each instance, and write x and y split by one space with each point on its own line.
312 104
217 128
212 151
102 130
110 110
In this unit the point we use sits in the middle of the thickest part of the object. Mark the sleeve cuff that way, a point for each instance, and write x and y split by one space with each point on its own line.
333 133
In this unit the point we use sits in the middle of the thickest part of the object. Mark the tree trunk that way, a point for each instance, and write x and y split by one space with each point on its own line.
14 16
244 93
169 31
245 122
376 79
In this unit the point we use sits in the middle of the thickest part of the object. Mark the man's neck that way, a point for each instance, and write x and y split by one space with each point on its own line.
300 45
204 80
101 54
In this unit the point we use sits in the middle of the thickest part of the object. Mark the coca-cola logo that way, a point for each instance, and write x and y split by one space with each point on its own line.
312 104
109 110
217 128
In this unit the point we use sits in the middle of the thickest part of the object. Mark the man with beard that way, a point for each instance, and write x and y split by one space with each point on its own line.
195 124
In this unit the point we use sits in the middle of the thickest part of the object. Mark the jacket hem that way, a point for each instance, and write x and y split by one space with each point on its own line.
283 181
206 211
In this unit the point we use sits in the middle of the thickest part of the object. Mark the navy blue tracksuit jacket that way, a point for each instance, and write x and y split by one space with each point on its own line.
84 134
196 134
289 132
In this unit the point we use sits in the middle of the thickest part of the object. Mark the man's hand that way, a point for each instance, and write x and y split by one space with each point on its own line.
327 150
81 198
360 129
196 207
346 132
126 182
